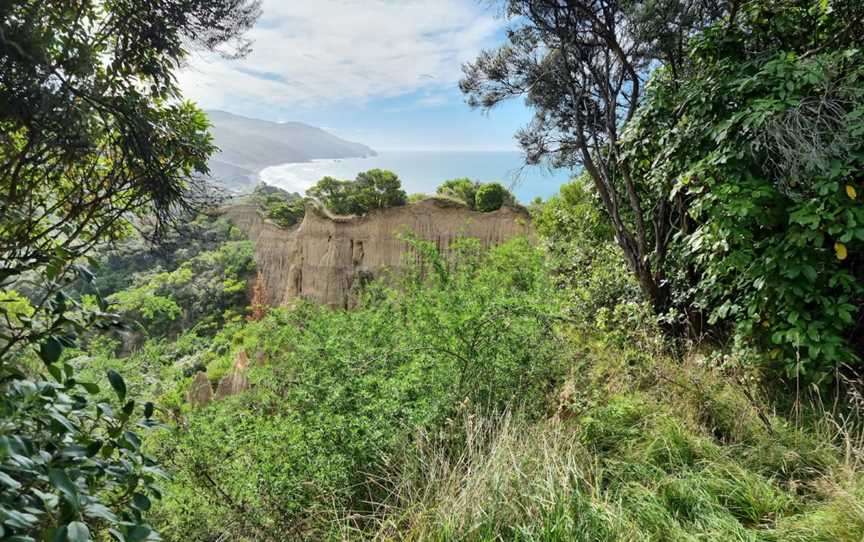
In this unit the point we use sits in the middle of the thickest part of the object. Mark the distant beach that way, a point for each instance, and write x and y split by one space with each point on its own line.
423 171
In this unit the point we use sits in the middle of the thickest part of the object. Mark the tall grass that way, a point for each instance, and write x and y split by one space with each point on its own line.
687 457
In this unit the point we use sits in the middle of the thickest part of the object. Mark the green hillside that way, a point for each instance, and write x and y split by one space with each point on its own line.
672 352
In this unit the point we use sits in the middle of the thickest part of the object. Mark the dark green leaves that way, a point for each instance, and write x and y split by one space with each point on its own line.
8 481
117 383
77 532
50 350
141 502
60 480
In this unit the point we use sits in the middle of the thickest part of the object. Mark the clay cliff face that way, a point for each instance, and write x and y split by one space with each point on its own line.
324 257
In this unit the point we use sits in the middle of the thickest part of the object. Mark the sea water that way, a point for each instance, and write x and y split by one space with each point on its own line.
422 171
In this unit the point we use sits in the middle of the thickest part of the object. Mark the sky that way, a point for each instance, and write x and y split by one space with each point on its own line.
381 72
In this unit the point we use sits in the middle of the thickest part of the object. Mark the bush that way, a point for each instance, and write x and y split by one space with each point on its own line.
284 208
764 145
490 197
463 189
585 259
199 291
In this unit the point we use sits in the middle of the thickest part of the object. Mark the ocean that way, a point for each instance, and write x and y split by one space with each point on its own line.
423 171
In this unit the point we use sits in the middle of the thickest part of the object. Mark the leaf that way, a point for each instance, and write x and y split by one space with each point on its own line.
85 273
148 410
137 533
18 520
117 383
50 350
840 251
90 387
77 532
8 481
131 441
850 191
56 373
140 501
99 511
61 481
93 448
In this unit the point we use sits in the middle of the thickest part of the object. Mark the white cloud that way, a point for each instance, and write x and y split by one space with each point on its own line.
315 52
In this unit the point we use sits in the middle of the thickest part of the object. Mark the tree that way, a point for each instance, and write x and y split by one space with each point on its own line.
463 189
333 194
92 132
285 208
379 189
582 65
373 189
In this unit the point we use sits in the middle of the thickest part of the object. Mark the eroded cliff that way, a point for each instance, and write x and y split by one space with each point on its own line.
324 256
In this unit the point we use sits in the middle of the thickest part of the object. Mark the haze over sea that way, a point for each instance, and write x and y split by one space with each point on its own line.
423 170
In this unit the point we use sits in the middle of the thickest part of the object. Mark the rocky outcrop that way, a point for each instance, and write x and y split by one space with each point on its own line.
324 257
236 381
200 393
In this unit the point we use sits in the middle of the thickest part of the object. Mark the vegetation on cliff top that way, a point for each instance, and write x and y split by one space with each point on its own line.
373 189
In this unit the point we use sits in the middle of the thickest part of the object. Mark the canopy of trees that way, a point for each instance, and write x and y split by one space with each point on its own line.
284 208
483 197
373 189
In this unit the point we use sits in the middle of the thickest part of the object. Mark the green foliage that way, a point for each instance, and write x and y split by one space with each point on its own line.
490 197
418 197
762 140
463 189
627 460
71 462
198 292
93 131
285 208
344 392
373 189
584 258
119 264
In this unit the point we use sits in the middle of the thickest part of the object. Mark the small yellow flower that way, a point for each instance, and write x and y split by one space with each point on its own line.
850 191
840 250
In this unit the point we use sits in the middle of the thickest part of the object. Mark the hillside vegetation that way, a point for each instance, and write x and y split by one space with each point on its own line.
675 356
476 399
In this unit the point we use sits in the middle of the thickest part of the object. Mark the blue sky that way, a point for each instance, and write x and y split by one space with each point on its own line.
382 72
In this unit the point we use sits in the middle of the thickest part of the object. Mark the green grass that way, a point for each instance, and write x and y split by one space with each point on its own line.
639 465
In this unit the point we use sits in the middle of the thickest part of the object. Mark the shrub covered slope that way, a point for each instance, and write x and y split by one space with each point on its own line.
471 401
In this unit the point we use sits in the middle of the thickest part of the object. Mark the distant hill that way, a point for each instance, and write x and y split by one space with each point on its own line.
249 145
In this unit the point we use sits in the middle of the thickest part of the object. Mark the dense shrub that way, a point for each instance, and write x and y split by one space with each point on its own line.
490 197
345 391
584 258
463 189
202 290
762 142
284 208
468 191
